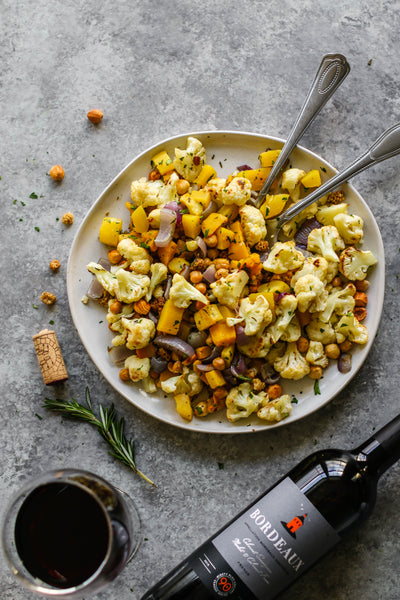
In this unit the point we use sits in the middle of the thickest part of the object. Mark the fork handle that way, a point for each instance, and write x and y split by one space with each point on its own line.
332 71
386 146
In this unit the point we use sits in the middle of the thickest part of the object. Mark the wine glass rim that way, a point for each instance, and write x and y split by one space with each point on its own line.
54 476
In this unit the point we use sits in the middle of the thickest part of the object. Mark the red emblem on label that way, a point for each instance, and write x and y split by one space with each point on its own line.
293 525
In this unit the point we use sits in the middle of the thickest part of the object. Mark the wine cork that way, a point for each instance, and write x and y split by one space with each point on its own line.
49 356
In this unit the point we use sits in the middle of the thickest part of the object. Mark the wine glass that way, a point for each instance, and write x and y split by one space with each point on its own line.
69 531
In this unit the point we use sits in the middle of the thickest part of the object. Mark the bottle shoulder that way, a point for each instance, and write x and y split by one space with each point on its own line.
339 484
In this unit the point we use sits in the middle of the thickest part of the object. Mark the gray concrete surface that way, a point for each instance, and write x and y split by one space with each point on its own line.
158 69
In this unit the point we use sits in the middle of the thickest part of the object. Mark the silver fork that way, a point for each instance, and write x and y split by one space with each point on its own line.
331 72
386 146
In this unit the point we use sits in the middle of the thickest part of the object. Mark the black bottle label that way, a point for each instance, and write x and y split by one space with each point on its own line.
263 551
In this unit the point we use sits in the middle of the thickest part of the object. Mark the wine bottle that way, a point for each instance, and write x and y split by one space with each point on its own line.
287 529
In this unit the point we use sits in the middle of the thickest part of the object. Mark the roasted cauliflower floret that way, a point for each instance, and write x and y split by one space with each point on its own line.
354 263
146 193
326 214
291 182
285 311
238 192
159 272
253 224
189 162
276 410
258 346
256 315
215 187
139 368
325 241
316 355
283 257
310 293
349 328
350 227
188 382
319 331
340 301
182 293
229 289
241 402
292 365
137 258
138 332
292 332
313 265
126 286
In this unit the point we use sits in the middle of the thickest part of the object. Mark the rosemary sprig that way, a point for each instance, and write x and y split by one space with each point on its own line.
109 426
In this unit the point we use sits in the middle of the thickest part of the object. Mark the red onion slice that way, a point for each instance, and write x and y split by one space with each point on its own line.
177 209
212 207
244 168
158 364
301 237
204 368
105 263
95 290
202 245
344 363
118 354
167 227
241 338
174 343
209 274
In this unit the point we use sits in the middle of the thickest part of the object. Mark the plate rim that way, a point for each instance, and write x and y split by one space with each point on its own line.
247 428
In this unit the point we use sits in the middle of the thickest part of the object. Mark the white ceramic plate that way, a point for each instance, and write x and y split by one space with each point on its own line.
225 151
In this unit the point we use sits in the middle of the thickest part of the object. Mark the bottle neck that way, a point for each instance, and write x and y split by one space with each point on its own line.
382 449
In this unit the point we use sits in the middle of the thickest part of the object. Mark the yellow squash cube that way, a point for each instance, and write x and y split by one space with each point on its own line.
139 220
225 237
212 222
257 177
273 205
215 379
110 230
177 264
191 225
268 158
207 316
207 172
162 162
170 318
183 406
311 179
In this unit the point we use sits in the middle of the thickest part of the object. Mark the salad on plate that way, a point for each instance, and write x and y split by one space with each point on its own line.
201 308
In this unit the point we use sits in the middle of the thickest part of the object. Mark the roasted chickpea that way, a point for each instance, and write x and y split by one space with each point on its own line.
362 285
115 307
336 282
211 241
221 263
332 351
302 344
201 287
196 277
114 257
154 175
274 391
182 186
346 346
361 299
221 273
218 363
315 372
124 374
